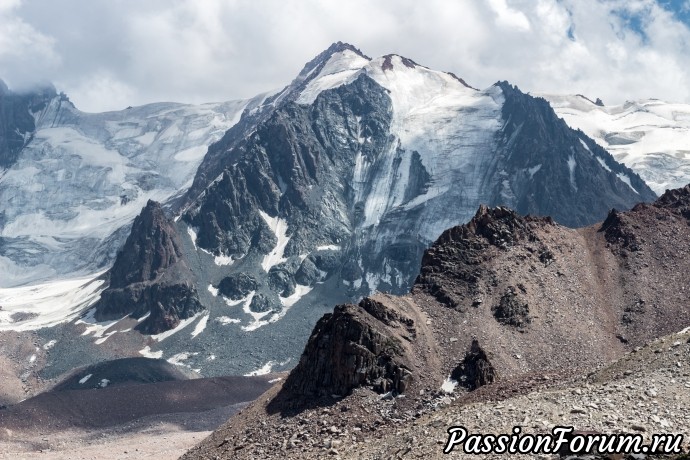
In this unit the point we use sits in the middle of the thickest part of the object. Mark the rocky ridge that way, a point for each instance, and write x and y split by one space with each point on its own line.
150 279
590 297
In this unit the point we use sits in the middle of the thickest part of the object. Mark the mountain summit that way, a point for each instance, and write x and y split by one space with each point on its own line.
334 187
321 193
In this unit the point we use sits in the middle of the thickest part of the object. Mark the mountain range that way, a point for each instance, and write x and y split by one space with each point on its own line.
495 259
256 217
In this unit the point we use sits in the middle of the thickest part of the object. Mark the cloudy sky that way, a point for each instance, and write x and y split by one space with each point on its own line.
108 54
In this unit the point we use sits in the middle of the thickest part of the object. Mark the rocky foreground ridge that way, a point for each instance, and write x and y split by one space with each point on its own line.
504 306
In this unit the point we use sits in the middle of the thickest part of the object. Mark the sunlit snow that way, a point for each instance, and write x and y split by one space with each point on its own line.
449 385
340 68
279 228
147 353
43 305
300 291
265 369
649 136
329 247
183 324
200 326
571 169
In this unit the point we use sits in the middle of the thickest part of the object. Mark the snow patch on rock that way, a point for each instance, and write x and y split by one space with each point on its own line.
341 68
147 353
300 291
200 326
279 228
183 324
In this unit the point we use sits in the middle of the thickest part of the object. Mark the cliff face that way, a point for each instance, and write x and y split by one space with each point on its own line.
150 276
557 171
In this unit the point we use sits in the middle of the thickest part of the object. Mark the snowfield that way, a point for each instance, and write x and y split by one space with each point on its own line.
82 179
28 308
650 136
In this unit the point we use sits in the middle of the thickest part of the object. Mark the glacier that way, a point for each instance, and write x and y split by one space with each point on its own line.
83 177
649 136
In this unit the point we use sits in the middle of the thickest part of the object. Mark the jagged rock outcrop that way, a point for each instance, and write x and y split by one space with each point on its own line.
150 276
453 266
677 199
618 231
511 310
237 286
475 370
352 347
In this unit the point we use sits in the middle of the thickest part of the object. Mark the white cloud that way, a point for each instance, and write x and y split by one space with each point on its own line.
108 55
22 46
509 16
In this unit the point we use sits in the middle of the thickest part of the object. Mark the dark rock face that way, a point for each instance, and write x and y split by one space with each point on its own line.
617 231
282 281
511 310
351 348
261 304
295 166
16 121
150 275
571 177
150 250
678 200
622 229
215 162
237 286
453 266
475 370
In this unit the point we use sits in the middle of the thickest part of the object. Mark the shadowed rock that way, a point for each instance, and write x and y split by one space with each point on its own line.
150 276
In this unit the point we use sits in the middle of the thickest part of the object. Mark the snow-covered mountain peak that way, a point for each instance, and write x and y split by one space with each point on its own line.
413 86
341 67
412 82
325 56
